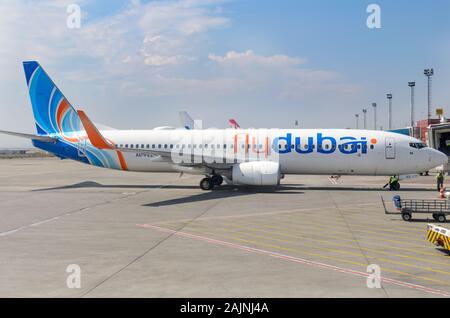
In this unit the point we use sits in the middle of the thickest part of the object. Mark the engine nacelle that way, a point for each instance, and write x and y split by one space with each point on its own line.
257 173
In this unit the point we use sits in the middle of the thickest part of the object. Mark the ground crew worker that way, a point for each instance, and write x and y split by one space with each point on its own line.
440 180
393 183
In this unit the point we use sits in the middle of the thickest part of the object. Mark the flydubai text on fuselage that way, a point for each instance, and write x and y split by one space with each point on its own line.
242 156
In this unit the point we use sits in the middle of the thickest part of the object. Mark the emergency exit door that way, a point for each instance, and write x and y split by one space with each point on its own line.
390 148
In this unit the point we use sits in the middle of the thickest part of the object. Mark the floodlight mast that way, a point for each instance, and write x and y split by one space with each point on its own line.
374 105
389 97
412 85
429 72
364 118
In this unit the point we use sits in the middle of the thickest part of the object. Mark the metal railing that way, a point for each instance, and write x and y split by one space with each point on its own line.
426 206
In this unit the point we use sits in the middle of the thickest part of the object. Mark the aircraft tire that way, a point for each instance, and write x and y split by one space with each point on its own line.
206 184
217 179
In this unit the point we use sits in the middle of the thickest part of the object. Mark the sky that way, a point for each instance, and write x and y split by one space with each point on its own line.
135 64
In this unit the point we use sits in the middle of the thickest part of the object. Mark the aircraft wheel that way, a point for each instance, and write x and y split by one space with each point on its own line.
406 217
217 179
206 184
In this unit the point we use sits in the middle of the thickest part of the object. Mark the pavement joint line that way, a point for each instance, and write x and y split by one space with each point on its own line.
290 233
297 250
339 251
384 236
149 249
307 237
243 238
290 211
73 212
291 222
297 260
330 236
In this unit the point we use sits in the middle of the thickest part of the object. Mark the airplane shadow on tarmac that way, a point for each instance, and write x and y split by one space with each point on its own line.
92 184
249 189
224 192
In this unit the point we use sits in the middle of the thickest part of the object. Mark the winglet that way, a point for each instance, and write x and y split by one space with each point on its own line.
95 137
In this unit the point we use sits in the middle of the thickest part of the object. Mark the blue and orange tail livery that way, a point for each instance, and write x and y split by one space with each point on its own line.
53 113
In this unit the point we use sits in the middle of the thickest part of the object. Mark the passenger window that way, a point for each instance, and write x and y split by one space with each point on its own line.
131 146
126 146
142 146
372 147
159 146
148 146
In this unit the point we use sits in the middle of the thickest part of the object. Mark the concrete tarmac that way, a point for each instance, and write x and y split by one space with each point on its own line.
158 235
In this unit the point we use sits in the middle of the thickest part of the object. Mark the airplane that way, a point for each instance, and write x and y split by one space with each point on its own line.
188 123
255 157
233 123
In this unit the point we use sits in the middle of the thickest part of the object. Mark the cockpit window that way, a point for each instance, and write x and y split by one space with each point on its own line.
418 145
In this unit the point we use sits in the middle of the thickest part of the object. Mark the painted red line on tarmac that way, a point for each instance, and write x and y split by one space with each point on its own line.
297 260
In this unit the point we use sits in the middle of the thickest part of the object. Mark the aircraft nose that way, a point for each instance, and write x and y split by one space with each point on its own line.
439 158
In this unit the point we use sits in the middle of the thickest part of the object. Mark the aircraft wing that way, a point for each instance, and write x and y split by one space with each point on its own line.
30 136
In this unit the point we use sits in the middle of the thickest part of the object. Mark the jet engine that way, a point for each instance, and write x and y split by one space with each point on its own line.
258 173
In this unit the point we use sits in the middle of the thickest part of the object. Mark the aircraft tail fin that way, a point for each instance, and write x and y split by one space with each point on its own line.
53 114
186 121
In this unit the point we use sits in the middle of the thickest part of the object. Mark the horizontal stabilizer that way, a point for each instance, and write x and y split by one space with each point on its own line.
30 136
95 137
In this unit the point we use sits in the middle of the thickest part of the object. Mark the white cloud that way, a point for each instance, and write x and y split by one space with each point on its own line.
250 57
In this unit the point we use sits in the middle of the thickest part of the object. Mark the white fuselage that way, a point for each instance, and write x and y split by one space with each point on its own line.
298 151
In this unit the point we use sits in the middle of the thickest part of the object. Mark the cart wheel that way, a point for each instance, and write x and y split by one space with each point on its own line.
397 186
435 217
441 218
406 217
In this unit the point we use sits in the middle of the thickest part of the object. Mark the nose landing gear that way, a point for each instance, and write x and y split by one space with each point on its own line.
208 183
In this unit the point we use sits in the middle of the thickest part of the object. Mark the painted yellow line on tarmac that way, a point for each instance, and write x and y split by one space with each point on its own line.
296 250
291 222
335 250
303 237
326 235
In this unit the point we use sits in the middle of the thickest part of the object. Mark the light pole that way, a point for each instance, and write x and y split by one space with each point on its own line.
429 72
357 121
364 118
374 105
389 97
411 114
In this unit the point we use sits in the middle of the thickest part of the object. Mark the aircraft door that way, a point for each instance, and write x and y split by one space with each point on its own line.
390 148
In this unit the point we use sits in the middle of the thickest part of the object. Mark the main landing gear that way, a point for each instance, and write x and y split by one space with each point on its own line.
209 182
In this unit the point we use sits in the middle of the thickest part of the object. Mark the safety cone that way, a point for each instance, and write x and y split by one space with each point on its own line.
442 193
